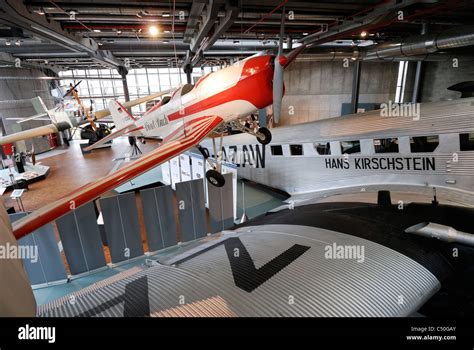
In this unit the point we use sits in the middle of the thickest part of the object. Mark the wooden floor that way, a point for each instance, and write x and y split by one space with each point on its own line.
70 170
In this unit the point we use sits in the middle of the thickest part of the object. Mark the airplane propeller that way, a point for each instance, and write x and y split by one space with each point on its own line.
72 88
279 64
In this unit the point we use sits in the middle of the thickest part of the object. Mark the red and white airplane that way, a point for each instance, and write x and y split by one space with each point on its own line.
216 103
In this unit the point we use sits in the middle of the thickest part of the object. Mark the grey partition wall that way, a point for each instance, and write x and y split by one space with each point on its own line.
81 240
47 266
122 228
191 209
221 211
158 213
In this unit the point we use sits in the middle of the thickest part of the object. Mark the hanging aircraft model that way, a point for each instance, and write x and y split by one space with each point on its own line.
64 117
216 104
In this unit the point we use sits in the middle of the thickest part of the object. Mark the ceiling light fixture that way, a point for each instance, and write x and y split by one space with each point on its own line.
119 32
18 43
153 30
363 34
165 14
8 43
96 30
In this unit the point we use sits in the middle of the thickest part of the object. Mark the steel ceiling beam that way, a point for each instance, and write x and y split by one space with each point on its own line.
209 18
16 14
9 59
232 12
374 15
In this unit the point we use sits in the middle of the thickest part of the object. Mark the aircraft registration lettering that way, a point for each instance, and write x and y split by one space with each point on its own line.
383 163
250 155
156 123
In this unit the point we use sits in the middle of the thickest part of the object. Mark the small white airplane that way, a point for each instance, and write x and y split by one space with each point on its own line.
62 117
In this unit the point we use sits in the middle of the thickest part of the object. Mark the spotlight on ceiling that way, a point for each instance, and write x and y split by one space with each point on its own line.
305 33
40 11
96 30
119 32
18 43
363 34
8 43
153 30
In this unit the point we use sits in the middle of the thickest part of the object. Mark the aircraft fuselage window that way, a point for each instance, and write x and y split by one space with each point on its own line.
424 143
322 148
276 150
466 141
296 150
389 145
350 147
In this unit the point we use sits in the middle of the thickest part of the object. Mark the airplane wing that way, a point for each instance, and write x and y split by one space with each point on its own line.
126 130
33 117
191 133
105 112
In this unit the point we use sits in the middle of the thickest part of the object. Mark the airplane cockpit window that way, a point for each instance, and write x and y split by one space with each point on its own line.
276 150
296 150
165 100
350 147
389 145
186 88
323 148
420 144
466 141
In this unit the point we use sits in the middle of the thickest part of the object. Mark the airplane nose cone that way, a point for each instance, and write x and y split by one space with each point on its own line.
282 60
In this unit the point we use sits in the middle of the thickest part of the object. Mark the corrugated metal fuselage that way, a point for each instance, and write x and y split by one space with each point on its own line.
447 168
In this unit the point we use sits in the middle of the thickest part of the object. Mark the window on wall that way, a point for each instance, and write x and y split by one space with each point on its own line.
401 79
424 143
322 148
389 145
350 147
276 150
466 141
296 150
101 85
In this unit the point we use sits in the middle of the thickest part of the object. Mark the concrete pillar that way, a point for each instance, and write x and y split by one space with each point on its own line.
419 66
125 87
355 86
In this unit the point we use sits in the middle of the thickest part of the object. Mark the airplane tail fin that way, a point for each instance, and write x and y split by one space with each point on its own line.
120 115
39 105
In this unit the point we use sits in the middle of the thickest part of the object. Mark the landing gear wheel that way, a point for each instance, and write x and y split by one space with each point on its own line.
215 178
267 136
